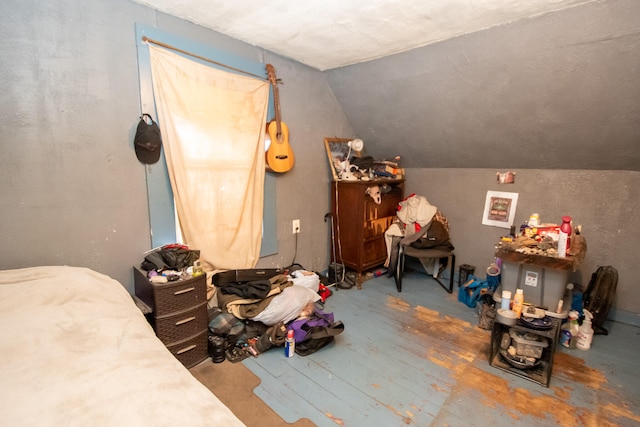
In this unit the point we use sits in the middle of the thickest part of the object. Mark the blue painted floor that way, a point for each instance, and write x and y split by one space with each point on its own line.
418 358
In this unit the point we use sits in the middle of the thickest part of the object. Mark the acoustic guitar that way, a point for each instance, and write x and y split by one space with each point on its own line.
279 155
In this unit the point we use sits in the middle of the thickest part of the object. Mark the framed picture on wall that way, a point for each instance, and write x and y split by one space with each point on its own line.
500 209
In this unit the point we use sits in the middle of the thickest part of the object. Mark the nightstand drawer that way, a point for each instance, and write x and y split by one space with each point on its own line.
192 350
180 295
181 325
168 298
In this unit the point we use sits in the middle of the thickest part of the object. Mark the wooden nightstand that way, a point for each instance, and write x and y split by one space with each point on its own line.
180 316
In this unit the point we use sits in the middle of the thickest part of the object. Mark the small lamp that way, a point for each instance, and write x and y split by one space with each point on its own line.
356 145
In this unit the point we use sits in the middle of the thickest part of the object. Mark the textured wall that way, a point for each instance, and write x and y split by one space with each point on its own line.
72 189
603 202
559 91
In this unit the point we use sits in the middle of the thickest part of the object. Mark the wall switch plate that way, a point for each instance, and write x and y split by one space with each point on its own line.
296 226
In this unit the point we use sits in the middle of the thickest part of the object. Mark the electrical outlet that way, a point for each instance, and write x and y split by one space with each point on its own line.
296 226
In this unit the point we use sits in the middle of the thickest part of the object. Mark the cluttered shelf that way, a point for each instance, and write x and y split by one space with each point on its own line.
538 345
535 267
527 250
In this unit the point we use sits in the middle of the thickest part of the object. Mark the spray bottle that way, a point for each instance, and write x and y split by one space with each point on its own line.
290 344
585 335
570 330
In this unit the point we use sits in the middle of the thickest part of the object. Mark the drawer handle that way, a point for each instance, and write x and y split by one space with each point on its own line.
183 321
184 291
184 350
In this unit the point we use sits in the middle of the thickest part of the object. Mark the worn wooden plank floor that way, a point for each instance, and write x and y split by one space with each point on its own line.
418 358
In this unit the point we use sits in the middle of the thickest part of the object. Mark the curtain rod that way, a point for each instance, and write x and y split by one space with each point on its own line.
148 40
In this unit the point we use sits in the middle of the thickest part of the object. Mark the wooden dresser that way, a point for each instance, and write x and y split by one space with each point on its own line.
359 223
179 314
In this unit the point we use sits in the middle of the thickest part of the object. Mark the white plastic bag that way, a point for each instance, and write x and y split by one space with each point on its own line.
287 305
307 279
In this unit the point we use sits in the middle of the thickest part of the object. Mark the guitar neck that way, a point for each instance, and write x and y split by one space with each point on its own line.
276 102
276 98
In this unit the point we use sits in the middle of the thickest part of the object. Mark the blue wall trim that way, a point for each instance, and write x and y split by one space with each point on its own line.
161 208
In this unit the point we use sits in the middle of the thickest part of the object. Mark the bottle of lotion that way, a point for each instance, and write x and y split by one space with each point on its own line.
518 302
585 334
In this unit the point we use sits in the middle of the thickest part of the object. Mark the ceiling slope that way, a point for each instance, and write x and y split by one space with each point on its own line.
334 33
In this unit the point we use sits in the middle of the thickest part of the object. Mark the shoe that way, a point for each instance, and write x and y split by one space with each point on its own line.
346 284
235 354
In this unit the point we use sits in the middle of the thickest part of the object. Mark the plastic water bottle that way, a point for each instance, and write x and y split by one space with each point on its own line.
290 344
505 303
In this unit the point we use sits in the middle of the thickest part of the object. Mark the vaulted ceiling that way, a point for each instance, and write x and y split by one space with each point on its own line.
333 33
539 84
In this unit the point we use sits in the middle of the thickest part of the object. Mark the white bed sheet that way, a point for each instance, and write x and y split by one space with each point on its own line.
76 351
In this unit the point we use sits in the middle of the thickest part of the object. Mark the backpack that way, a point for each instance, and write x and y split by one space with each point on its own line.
599 296
436 237
314 332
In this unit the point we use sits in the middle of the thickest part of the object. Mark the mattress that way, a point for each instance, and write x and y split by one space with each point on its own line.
76 351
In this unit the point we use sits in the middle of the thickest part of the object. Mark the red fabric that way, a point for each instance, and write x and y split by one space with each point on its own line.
175 246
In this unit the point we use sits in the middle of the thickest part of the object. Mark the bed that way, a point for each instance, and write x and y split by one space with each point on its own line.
77 351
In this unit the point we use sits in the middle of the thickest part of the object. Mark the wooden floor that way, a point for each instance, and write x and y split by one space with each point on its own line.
418 358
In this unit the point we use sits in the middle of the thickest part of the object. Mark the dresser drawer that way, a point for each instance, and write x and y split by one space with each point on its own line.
167 298
180 295
181 325
374 252
377 227
191 351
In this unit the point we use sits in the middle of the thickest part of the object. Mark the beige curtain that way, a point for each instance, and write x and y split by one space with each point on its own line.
213 127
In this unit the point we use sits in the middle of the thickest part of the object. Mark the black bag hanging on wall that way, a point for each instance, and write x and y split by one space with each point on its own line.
147 141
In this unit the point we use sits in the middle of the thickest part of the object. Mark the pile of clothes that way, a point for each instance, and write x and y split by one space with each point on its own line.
251 317
420 224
